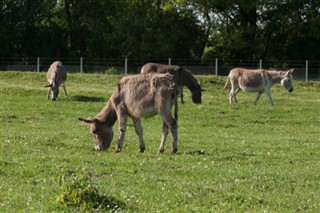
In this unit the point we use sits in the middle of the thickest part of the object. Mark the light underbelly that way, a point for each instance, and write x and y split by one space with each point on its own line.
252 89
145 112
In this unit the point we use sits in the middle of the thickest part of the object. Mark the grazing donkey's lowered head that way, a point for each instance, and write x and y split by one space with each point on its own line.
56 76
257 81
139 96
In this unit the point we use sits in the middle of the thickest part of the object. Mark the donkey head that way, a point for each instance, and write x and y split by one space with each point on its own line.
54 90
102 133
196 96
191 82
287 81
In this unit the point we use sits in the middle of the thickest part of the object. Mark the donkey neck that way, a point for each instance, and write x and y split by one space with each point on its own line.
108 114
187 79
276 76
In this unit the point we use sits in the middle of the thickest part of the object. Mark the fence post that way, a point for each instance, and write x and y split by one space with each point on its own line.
260 64
307 70
126 65
81 65
216 66
169 62
38 64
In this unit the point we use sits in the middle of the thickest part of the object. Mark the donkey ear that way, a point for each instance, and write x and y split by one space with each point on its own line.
50 85
288 73
89 121
291 71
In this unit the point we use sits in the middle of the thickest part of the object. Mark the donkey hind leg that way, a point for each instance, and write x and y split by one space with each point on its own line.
165 130
139 131
122 122
64 89
235 95
258 97
269 97
232 96
170 123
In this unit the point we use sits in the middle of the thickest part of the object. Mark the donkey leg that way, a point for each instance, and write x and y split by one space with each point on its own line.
165 131
230 97
176 110
49 92
139 131
64 89
269 97
181 94
121 132
173 126
235 95
257 98
174 132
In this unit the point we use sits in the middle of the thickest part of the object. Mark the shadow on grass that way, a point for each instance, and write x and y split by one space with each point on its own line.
82 98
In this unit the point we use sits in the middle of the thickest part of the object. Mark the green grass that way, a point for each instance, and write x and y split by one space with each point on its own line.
242 158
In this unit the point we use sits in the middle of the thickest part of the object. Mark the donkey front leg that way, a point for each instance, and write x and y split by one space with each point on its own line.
181 94
121 131
49 92
139 131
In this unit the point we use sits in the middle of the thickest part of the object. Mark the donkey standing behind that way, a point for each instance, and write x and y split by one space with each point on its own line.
182 77
56 76
143 95
257 81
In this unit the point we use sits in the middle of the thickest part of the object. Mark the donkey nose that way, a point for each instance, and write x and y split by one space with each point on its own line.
291 89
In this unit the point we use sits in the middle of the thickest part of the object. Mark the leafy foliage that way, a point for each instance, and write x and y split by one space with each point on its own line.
233 29
80 191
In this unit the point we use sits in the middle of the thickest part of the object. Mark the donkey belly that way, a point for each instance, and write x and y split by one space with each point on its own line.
252 89
145 112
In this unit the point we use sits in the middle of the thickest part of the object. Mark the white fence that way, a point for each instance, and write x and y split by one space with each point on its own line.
304 70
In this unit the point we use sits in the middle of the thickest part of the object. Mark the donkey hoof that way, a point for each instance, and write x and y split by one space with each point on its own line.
160 151
142 148
174 151
117 150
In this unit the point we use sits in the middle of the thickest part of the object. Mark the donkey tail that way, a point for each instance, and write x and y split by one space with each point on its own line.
227 83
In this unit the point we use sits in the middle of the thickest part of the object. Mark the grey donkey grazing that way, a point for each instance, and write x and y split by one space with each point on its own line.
56 75
138 96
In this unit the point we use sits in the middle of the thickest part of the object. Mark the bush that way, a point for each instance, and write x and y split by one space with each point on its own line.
80 192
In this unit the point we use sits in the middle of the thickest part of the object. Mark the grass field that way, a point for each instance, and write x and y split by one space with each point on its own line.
242 158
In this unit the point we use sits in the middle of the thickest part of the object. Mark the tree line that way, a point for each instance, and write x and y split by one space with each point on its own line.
201 30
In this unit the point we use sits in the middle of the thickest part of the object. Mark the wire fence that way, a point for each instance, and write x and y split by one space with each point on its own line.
304 70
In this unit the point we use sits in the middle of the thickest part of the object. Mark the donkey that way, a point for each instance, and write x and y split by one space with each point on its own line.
257 81
139 96
182 77
56 75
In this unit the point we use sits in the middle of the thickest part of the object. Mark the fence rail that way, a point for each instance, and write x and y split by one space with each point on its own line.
304 70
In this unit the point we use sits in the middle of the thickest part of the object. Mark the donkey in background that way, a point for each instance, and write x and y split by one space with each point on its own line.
257 81
182 77
139 96
56 75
